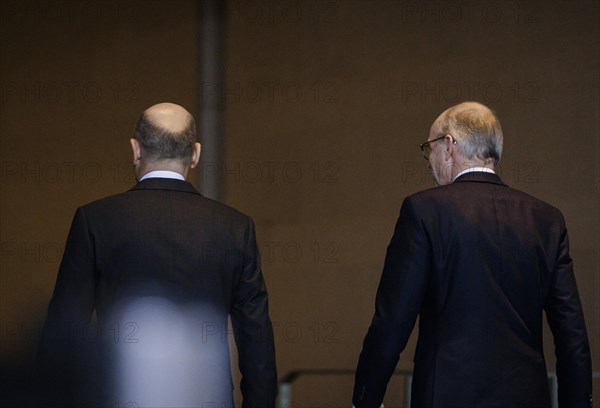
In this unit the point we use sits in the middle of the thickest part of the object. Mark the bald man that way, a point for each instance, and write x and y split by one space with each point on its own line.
479 263
162 268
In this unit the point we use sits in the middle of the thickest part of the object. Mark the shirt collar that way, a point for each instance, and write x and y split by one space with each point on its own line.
163 174
472 169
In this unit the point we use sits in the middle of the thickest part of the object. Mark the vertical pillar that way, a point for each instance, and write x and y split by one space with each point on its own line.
211 126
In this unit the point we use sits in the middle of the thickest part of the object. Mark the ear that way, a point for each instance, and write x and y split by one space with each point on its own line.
196 155
137 151
450 146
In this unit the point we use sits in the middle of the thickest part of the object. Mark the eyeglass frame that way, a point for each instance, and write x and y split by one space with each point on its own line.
427 144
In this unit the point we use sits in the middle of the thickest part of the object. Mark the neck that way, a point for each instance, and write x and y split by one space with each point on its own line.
177 167
469 164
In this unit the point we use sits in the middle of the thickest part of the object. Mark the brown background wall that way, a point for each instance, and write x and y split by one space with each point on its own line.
326 103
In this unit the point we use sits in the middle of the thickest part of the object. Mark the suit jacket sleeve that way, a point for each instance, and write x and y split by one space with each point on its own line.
565 317
399 297
64 344
72 302
253 331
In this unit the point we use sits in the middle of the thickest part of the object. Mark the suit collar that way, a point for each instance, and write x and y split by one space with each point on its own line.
157 183
480 177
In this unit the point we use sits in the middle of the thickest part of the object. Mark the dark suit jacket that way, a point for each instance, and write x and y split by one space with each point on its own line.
478 262
163 240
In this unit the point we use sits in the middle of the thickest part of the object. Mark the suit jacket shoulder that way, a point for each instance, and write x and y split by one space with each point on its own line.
164 187
472 186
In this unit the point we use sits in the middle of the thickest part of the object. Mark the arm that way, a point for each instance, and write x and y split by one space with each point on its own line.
72 302
253 331
63 340
565 317
399 297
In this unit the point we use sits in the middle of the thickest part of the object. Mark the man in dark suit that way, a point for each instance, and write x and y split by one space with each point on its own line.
478 262
163 267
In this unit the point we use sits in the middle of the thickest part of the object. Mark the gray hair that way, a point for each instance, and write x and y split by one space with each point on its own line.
158 143
476 130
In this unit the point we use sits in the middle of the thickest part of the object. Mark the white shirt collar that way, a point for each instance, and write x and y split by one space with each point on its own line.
163 174
472 169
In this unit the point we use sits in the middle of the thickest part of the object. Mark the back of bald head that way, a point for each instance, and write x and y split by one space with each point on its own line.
166 131
476 129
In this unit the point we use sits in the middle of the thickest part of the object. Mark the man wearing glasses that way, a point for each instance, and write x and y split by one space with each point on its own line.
478 262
